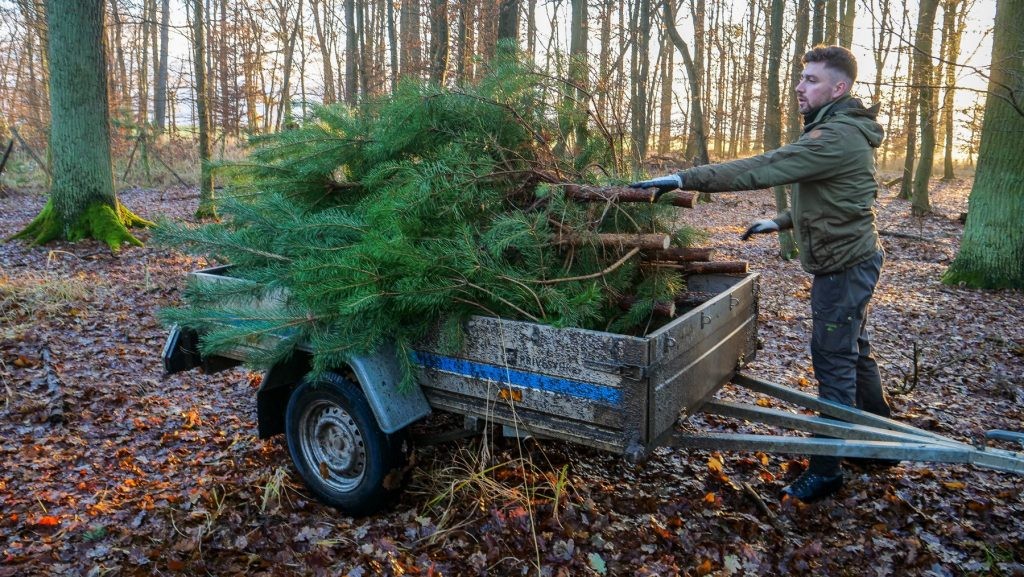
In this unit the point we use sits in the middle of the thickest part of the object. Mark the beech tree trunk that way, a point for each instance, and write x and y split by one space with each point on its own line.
992 251
923 73
82 201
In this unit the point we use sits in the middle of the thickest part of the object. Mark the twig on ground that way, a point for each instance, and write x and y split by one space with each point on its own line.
53 389
751 493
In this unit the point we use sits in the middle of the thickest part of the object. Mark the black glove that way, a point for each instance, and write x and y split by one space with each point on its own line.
760 227
663 184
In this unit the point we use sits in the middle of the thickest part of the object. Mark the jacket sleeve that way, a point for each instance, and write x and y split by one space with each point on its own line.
814 156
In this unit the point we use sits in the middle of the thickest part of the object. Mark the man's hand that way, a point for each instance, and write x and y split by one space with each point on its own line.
760 227
663 184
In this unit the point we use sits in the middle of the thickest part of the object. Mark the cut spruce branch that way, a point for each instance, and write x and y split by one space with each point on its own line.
624 194
617 240
715 267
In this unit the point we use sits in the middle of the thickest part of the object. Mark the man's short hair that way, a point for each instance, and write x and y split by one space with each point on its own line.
835 57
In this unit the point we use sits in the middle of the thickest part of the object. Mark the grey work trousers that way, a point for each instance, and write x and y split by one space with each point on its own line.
840 350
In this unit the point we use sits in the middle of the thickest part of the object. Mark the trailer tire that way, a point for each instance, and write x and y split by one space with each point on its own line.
341 453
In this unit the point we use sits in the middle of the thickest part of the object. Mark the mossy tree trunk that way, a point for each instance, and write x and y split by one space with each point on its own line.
82 202
992 251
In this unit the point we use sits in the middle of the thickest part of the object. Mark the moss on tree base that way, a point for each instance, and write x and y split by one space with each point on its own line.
99 221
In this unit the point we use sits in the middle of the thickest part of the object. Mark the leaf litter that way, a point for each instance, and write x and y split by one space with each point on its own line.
153 475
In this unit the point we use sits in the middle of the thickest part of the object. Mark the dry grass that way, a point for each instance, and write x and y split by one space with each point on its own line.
34 296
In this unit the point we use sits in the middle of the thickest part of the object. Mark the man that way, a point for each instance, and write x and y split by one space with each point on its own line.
832 170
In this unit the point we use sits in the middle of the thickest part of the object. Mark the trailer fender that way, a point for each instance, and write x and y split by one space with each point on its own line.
379 375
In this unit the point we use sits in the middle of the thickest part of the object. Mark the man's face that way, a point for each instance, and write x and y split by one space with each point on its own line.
819 86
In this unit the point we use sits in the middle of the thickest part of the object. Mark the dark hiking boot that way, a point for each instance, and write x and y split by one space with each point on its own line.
811 487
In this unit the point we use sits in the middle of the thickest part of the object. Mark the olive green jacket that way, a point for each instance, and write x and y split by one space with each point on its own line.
832 170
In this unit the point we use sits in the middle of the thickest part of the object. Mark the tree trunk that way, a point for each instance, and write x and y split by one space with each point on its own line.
82 201
351 54
462 44
574 116
284 106
640 73
439 41
848 14
160 93
325 49
818 28
508 20
206 208
906 185
795 124
531 28
749 75
773 117
227 116
604 73
992 251
665 112
697 111
955 13
923 74
831 21
410 31
882 43
121 76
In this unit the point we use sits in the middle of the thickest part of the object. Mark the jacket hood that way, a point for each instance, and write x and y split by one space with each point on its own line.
852 111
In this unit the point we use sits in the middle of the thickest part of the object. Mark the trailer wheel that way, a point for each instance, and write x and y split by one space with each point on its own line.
338 448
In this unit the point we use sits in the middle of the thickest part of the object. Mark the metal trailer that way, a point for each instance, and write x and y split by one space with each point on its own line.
619 393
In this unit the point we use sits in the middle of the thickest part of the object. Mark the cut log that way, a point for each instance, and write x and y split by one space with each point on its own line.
625 194
675 254
661 308
691 299
641 241
715 267
54 391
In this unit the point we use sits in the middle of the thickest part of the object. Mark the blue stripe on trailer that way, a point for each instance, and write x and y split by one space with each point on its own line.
522 379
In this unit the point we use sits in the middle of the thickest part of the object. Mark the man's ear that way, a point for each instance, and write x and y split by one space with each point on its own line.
842 87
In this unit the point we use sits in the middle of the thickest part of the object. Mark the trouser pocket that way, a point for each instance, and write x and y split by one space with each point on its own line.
835 329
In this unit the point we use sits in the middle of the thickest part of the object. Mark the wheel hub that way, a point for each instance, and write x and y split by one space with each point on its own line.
331 441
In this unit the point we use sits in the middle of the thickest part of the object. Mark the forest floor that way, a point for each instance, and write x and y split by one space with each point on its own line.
142 474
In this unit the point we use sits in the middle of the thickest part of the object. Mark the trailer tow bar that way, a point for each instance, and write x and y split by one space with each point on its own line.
846 432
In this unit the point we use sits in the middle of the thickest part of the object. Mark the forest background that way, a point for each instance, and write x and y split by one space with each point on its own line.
145 475
268 63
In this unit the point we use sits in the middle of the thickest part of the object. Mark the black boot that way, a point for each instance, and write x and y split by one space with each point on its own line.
811 487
